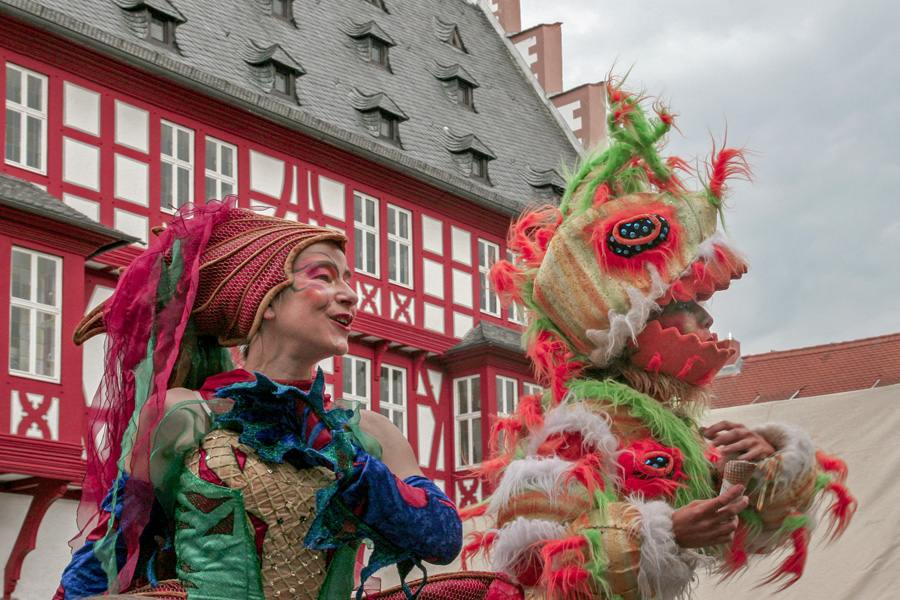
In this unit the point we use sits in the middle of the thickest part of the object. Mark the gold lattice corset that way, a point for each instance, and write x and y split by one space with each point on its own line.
279 504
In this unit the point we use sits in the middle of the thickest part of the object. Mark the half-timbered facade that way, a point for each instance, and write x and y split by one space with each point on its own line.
411 125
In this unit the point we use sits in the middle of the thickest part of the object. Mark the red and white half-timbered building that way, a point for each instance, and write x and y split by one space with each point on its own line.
414 126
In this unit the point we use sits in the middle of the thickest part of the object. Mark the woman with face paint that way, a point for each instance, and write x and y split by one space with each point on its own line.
214 482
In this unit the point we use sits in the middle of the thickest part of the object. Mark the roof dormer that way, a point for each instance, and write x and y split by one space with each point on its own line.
274 70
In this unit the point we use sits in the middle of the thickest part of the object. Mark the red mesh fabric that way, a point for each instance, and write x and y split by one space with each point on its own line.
246 263
467 585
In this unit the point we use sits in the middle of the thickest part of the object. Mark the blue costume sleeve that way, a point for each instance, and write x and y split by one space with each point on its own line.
85 576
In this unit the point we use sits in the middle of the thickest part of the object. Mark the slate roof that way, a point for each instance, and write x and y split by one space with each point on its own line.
513 117
814 371
27 197
489 335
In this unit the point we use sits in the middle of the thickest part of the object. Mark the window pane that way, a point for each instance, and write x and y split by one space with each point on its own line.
398 419
403 219
14 85
227 161
357 209
211 158
157 29
398 386
476 394
385 127
183 186
462 397
392 221
184 146
21 275
347 375
385 386
166 185
46 281
227 189
19 339
362 380
211 188
281 83
464 441
35 97
476 440
392 260
166 140
481 253
13 136
370 213
404 264
370 252
359 250
33 142
45 344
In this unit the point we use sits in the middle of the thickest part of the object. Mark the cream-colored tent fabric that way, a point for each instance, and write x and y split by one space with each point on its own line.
862 428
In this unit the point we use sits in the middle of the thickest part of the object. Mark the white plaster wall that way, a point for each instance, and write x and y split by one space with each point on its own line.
432 235
461 245
331 197
43 565
266 174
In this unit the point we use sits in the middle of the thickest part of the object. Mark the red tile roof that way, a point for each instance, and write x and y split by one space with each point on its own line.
814 371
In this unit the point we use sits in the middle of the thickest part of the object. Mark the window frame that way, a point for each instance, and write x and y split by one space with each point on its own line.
216 176
364 400
393 127
366 231
176 163
168 28
504 385
287 10
479 173
395 240
290 77
33 306
529 388
25 113
474 438
515 311
388 408
374 44
484 269
465 94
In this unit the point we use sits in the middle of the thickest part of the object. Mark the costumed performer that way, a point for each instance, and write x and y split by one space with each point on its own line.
604 486
216 483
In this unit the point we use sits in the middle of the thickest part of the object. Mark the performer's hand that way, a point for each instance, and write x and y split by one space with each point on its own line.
732 438
709 522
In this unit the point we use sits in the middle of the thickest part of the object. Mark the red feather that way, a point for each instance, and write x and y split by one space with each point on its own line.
532 232
832 464
792 567
481 543
507 280
841 510
570 580
729 162
586 471
736 556
531 412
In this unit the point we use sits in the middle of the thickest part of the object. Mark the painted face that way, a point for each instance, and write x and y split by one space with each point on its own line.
318 309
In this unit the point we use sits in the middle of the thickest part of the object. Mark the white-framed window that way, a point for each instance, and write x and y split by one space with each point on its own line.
507 395
221 169
365 232
393 395
487 256
357 376
467 409
532 388
399 246
516 311
34 314
26 119
176 166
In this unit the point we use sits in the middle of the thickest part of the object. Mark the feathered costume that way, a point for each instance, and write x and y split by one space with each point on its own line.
256 489
590 472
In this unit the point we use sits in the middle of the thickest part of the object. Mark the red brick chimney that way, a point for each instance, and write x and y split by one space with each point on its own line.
584 109
509 13
541 46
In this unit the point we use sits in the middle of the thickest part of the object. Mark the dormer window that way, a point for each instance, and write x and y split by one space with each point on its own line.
284 82
449 34
378 52
470 155
465 94
379 114
389 127
283 9
274 70
479 169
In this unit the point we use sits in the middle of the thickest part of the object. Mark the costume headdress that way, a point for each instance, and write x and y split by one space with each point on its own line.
628 239
208 276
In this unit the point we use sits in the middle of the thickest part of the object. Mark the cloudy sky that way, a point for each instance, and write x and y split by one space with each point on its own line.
813 87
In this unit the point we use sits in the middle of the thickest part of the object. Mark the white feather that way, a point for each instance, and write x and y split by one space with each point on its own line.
798 454
706 251
571 416
610 342
531 474
666 569
515 539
